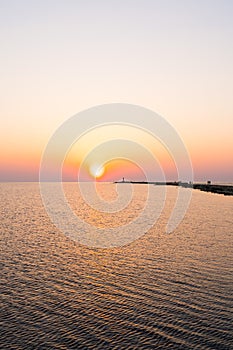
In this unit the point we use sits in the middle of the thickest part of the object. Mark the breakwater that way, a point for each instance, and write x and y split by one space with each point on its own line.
226 190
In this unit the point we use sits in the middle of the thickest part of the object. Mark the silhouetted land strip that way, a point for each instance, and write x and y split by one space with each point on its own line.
220 189
226 190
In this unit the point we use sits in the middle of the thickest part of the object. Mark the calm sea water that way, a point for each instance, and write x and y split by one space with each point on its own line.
159 292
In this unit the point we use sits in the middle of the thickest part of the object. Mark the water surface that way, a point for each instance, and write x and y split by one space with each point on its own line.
159 292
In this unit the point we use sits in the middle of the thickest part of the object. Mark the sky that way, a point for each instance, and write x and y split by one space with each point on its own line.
58 58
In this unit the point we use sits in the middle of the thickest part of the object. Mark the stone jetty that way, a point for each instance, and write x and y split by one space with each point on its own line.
226 190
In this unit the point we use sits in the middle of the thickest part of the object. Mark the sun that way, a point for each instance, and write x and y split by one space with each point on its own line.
96 171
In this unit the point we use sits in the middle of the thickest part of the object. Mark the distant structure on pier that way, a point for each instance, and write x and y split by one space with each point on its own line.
123 180
208 182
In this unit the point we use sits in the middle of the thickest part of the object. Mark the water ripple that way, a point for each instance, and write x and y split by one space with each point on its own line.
160 292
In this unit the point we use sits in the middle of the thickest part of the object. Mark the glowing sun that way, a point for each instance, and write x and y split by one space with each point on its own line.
96 171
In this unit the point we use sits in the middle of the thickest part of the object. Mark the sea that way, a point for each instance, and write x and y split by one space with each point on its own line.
159 291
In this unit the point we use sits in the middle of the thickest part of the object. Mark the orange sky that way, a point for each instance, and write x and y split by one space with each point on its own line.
174 58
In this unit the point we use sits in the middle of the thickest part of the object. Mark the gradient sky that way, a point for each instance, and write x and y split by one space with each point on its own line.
60 57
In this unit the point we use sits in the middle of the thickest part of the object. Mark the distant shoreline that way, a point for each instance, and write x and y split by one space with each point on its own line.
226 190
